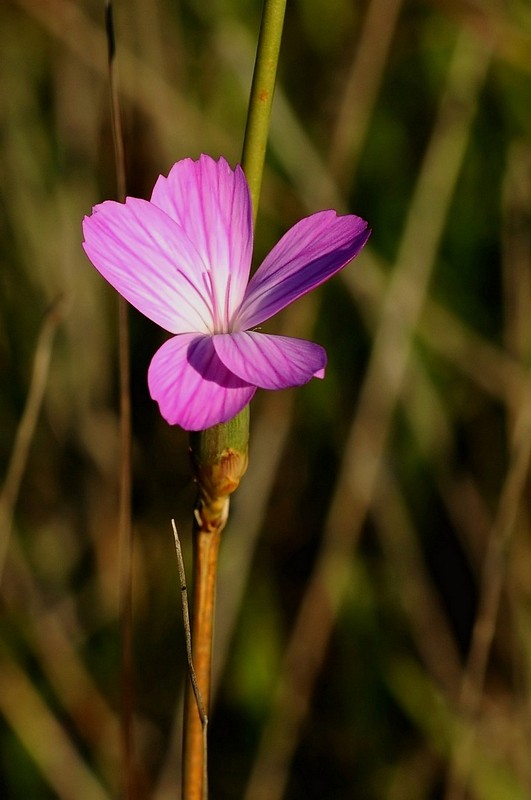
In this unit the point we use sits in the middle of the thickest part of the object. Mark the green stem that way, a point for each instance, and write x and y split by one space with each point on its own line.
261 100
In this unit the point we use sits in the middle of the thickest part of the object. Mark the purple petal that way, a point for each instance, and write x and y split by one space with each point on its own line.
191 385
307 255
151 262
271 362
211 203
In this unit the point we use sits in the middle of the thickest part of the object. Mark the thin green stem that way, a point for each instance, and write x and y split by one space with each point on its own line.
261 100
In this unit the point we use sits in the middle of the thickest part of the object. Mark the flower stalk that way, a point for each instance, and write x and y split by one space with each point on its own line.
219 458
219 454
261 99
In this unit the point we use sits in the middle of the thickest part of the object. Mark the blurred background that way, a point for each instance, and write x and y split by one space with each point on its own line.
373 634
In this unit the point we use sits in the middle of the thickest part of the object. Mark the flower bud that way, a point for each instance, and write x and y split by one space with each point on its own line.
219 457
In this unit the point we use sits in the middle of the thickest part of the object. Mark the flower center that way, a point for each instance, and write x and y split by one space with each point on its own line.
219 297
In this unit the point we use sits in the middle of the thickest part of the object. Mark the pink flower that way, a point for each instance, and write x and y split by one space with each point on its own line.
183 259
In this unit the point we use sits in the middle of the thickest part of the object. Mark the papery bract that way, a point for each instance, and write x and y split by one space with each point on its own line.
183 259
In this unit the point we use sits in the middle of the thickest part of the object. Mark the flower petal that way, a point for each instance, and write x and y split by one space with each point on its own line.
307 255
271 362
191 385
211 203
144 254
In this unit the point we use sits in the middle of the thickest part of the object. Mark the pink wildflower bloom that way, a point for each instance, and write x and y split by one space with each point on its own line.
183 259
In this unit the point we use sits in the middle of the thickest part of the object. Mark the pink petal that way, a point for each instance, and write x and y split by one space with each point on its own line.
149 261
211 203
307 255
191 385
271 362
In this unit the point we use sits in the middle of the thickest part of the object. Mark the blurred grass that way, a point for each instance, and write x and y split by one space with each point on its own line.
349 658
